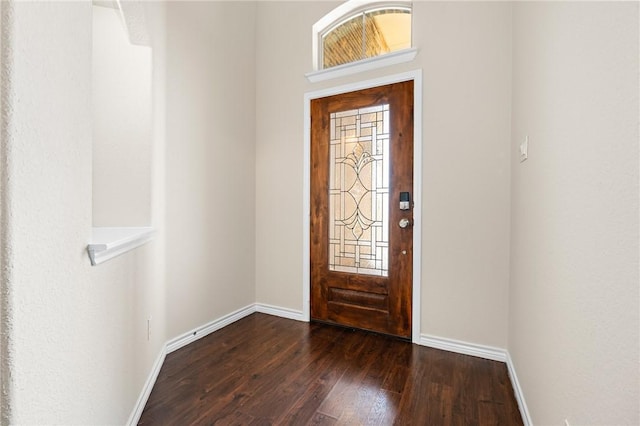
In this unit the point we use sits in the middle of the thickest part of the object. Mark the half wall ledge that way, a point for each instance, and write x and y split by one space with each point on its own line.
107 243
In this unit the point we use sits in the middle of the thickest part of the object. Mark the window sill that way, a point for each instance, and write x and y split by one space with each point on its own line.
107 243
393 58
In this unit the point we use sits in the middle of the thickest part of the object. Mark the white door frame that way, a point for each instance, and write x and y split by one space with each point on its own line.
416 76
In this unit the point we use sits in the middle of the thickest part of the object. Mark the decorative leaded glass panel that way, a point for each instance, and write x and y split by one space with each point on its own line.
359 191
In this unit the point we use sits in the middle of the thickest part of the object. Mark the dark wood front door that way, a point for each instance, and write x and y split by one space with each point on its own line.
361 235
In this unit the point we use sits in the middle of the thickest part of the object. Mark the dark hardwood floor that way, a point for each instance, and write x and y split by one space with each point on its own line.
265 370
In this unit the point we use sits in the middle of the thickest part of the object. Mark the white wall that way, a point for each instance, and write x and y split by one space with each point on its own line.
122 127
574 316
210 161
74 336
465 54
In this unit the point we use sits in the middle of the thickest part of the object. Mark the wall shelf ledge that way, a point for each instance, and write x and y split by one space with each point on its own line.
107 243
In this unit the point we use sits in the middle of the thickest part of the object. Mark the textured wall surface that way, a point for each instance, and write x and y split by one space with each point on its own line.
210 161
465 52
75 335
574 316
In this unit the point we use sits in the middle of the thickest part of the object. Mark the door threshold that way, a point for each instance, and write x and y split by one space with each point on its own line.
356 329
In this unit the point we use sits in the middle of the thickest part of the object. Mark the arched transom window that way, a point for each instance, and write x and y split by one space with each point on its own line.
360 30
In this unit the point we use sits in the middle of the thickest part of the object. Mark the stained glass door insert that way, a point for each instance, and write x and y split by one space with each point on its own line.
359 191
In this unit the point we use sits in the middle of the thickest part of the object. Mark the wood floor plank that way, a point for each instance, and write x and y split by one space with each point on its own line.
322 419
384 408
265 370
307 404
312 376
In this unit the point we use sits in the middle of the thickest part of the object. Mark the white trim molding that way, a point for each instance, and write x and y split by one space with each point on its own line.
416 77
393 58
134 418
281 312
517 390
202 331
465 348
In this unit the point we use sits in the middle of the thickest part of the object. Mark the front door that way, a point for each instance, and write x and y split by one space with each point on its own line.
361 209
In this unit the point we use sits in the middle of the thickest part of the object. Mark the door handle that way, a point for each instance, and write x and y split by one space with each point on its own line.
404 222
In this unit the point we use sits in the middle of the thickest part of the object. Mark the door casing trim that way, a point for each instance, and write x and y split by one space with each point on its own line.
416 76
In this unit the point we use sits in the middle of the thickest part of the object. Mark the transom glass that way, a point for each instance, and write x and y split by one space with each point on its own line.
365 35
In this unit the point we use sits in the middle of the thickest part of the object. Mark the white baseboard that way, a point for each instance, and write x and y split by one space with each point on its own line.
464 348
200 332
280 312
134 418
517 390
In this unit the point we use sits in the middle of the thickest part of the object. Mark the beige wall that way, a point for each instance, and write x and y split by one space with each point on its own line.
465 57
74 336
122 128
574 323
210 161
280 87
465 54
